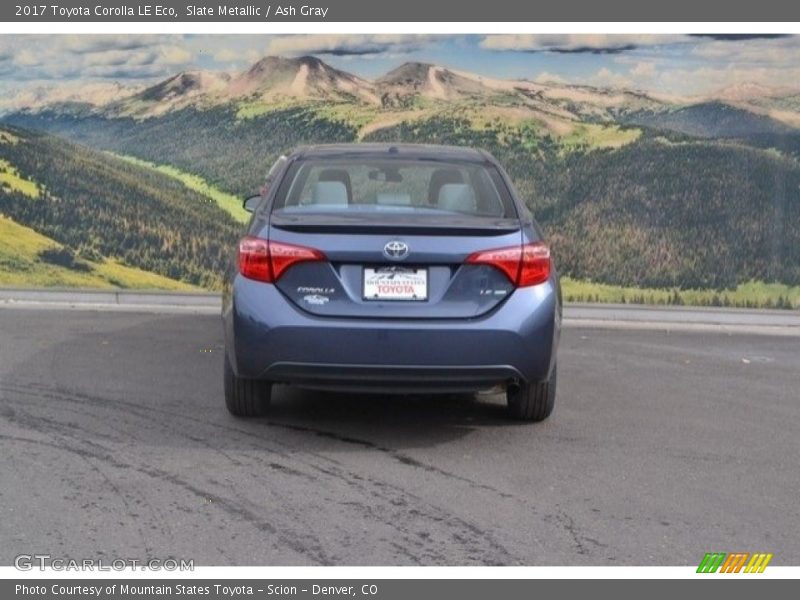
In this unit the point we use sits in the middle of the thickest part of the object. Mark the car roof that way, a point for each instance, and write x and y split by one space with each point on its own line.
388 150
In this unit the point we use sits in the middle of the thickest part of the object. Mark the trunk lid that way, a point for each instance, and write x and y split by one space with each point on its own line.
433 266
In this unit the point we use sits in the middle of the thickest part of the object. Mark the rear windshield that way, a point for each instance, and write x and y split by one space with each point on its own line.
401 186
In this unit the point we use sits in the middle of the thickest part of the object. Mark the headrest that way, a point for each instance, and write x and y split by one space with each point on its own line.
340 175
457 197
329 192
439 178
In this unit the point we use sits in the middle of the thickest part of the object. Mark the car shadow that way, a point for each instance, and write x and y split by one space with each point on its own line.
402 420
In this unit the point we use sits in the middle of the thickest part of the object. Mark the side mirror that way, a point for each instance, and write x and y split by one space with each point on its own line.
251 203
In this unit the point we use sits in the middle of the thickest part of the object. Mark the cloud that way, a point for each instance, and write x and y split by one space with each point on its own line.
87 44
780 51
643 70
546 77
347 45
233 56
175 55
605 77
739 37
610 43
126 72
117 58
227 55
27 58
576 43
65 57
669 64
706 79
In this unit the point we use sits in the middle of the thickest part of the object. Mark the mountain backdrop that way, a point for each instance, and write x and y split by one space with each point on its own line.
632 189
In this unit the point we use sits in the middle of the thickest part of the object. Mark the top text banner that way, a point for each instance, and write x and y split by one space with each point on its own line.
464 11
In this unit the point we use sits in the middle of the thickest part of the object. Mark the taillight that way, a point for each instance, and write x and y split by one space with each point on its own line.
523 265
282 256
254 259
535 266
266 261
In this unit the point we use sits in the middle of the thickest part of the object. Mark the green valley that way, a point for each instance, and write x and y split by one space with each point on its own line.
28 259
111 214
228 202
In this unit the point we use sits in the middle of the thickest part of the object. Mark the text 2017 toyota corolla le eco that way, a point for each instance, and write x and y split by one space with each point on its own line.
392 268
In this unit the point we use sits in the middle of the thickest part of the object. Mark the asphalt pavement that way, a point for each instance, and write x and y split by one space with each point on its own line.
664 445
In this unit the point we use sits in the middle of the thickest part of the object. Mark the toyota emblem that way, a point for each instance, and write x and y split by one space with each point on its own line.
395 250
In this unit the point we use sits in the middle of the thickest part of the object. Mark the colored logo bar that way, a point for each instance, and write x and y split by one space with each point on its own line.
735 562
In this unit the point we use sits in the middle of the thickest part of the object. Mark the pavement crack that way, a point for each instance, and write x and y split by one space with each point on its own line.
396 455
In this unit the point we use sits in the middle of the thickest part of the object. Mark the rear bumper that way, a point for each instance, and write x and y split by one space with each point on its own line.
388 379
268 337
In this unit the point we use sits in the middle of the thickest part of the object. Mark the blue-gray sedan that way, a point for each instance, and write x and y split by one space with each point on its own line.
391 268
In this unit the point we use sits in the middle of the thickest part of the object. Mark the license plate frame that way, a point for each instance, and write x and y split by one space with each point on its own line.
410 283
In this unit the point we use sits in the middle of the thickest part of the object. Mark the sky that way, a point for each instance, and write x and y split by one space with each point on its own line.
668 64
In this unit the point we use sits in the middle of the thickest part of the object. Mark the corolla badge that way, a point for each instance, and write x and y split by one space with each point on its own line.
395 250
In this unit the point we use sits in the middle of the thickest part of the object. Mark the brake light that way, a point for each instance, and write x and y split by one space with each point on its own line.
523 265
254 259
283 256
266 261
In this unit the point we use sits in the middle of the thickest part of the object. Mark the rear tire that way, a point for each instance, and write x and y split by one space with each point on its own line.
245 397
534 401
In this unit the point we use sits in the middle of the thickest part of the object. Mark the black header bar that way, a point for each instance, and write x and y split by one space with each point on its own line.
463 11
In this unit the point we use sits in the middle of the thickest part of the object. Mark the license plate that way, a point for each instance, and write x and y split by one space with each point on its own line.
395 283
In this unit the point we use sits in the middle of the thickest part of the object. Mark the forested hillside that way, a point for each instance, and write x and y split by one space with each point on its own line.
663 210
99 207
710 120
231 153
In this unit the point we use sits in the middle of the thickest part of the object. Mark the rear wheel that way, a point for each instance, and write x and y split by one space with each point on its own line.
534 401
245 397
